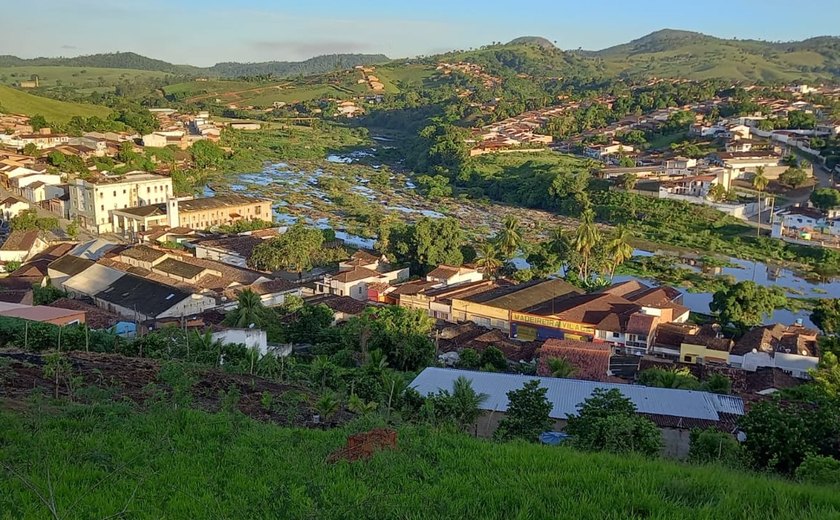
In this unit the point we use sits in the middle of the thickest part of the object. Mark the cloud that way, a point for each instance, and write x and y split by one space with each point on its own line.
299 49
69 47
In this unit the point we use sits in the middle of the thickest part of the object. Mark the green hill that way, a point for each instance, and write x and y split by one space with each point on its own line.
96 461
686 54
534 40
19 102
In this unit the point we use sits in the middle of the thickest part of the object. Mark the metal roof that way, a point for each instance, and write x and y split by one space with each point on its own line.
566 394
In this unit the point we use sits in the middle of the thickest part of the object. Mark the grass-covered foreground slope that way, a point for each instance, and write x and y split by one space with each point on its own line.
110 459
19 102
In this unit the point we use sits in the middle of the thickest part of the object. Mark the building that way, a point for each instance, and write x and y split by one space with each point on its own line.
42 314
675 412
445 275
356 274
20 246
791 349
590 361
11 207
66 267
705 348
190 213
92 202
140 299
91 281
233 250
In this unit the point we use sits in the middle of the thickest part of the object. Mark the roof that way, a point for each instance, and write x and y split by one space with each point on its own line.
641 323
95 278
518 297
95 318
413 287
355 274
152 210
365 256
710 342
36 313
273 287
20 241
217 202
241 245
70 265
445 272
144 296
93 249
794 339
566 394
606 311
143 253
654 296
590 360
624 288
179 268
344 304
766 378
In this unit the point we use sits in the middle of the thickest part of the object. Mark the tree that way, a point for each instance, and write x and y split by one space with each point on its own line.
586 239
746 303
493 358
627 181
527 413
759 183
73 230
826 315
608 421
434 187
469 359
662 378
619 249
31 149
561 367
28 220
207 154
249 310
793 177
12 266
488 260
711 445
401 334
717 384
718 193
466 402
825 198
327 405
295 250
428 243
510 236
827 375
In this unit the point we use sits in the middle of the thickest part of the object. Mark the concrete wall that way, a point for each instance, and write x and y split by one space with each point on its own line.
251 338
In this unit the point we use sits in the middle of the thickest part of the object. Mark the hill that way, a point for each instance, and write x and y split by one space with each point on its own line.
534 40
18 102
174 462
686 54
134 61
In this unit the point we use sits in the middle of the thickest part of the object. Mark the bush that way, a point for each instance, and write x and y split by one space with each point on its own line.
817 469
469 358
493 357
712 445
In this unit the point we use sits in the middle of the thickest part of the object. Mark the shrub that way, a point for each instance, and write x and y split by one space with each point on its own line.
818 469
712 445
493 357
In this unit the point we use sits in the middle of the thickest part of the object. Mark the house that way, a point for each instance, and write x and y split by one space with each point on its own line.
704 348
140 299
445 275
272 293
343 307
807 219
11 207
90 281
436 300
42 314
233 250
674 411
93 201
668 338
791 349
696 186
590 361
355 274
191 213
21 245
601 151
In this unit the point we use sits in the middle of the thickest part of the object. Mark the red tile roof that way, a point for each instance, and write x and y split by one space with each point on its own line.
590 360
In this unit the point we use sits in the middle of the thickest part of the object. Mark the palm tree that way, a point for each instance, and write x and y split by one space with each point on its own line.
661 378
327 405
619 249
586 239
510 236
561 367
488 259
358 405
759 182
466 402
249 310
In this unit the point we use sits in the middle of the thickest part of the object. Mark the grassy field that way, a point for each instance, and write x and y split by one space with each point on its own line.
18 102
84 78
494 165
96 461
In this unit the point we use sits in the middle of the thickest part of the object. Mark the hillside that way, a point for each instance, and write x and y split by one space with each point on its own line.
174 462
686 54
18 102
134 61
535 40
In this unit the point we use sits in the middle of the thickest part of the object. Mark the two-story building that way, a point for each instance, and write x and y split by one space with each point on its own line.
356 274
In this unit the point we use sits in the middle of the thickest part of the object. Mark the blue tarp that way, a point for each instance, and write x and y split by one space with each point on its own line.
553 438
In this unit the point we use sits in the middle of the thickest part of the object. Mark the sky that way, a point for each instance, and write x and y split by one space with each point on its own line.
204 32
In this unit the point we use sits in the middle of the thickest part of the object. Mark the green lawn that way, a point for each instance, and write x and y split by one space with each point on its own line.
112 461
78 77
19 102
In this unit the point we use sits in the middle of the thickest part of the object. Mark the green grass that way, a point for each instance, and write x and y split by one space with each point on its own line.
18 102
107 459
78 77
496 164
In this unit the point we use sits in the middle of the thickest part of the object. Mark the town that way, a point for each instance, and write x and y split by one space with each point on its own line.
608 261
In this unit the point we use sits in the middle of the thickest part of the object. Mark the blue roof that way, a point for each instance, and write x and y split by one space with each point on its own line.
566 394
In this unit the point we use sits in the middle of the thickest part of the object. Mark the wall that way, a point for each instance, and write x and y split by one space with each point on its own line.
94 201
481 314
700 351
220 256
218 216
251 338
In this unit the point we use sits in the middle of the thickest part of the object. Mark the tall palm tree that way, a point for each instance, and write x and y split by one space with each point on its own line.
466 402
619 249
510 236
488 258
586 239
249 310
759 182
561 367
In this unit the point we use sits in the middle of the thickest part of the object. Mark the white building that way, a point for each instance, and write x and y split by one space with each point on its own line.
356 274
92 201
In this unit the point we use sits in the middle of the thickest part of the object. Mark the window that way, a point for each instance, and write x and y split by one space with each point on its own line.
616 334
115 193
123 192
148 189
102 207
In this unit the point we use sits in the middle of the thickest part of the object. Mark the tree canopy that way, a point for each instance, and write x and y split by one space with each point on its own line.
746 303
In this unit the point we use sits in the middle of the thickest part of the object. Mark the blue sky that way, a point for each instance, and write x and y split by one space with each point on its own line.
203 32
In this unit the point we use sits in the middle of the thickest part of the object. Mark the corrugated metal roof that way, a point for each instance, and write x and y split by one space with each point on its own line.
566 394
